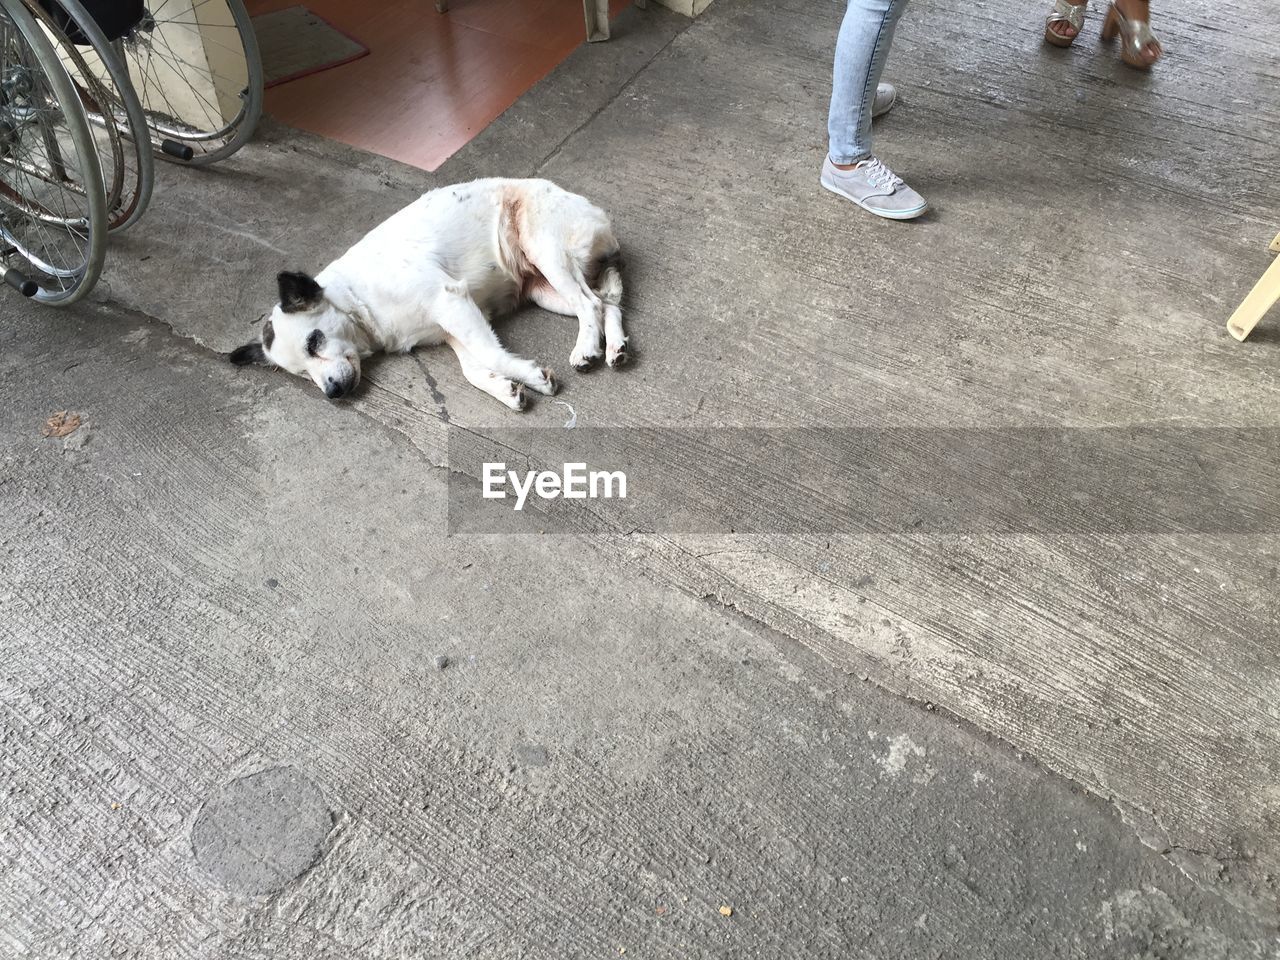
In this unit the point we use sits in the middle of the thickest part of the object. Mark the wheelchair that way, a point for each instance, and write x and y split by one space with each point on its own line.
91 91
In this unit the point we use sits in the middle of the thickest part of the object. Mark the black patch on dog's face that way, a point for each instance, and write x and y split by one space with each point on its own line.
249 353
315 340
298 292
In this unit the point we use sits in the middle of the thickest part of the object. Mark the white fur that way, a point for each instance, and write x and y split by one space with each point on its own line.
437 270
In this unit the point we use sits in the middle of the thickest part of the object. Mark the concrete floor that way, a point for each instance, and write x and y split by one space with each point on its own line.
226 734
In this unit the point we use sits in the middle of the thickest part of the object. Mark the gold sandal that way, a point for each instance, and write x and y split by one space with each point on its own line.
1135 37
1064 12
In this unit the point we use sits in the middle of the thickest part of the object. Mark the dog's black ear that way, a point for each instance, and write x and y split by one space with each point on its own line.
298 292
249 353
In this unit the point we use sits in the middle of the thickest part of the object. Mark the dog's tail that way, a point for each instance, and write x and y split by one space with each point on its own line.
609 286
609 278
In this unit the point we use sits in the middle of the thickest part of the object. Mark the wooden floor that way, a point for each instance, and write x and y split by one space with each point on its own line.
432 81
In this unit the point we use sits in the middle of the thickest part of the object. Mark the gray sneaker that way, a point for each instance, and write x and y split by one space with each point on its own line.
886 96
874 187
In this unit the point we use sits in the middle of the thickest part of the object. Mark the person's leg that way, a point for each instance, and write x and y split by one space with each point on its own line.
861 50
850 170
1061 27
1148 49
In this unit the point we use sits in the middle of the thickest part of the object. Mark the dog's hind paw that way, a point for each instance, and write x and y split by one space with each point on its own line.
616 357
547 383
512 395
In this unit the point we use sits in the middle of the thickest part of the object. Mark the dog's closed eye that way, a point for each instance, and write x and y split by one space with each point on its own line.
315 340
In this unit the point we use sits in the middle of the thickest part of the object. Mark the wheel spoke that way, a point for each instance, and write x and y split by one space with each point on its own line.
52 216
191 102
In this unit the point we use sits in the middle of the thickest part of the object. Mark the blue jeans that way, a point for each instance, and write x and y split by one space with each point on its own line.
861 50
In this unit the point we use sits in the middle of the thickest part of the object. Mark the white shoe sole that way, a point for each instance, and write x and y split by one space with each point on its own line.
886 214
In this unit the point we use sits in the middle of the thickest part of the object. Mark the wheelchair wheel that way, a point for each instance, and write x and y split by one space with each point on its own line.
53 208
113 109
197 71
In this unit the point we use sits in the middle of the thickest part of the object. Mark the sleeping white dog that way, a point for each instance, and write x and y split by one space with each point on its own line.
437 271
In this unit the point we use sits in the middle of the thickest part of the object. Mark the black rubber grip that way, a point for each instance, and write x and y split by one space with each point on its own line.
22 283
175 149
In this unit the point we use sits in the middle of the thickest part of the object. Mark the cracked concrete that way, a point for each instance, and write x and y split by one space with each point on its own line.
224 573
211 587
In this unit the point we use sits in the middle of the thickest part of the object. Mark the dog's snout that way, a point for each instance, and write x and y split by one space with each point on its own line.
338 380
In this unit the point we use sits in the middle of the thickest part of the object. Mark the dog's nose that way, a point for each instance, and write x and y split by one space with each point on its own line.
333 389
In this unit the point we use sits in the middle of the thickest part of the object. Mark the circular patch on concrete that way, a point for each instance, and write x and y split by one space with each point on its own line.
261 831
